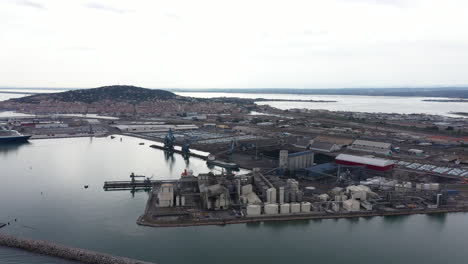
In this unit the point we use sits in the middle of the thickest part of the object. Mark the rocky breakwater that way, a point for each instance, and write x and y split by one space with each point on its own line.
64 252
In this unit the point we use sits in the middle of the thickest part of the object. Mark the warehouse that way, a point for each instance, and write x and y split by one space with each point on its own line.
371 146
369 163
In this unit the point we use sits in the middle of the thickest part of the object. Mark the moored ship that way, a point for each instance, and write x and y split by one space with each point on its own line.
12 136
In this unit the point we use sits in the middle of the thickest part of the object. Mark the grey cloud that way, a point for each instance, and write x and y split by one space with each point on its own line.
315 32
174 16
395 3
79 48
30 4
99 6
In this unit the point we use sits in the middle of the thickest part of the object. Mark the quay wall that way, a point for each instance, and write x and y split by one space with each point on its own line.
64 252
142 220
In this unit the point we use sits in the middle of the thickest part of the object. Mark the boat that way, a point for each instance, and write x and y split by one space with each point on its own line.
12 136
227 165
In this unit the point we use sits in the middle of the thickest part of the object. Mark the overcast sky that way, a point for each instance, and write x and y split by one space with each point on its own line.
233 44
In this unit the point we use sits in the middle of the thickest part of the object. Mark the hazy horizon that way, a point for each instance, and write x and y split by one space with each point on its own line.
240 88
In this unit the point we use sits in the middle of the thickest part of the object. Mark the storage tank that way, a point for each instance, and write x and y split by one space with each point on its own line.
286 197
280 195
305 207
182 200
434 186
284 208
254 210
426 186
295 208
418 186
299 195
283 159
292 196
271 195
271 209
324 197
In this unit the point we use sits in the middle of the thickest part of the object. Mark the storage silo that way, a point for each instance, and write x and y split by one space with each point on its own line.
271 209
283 159
254 210
295 208
305 207
281 195
284 208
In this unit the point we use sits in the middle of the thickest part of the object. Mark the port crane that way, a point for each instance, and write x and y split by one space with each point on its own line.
169 141
133 176
186 146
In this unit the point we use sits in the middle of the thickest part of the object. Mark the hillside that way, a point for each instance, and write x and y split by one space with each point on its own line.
121 93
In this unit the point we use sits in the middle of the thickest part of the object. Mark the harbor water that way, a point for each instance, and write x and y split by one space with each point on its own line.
42 187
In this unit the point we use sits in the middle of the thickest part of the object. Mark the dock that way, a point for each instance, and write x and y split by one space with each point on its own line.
128 185
191 154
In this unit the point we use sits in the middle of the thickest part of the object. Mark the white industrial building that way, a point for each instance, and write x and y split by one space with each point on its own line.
154 128
371 146
165 195
51 125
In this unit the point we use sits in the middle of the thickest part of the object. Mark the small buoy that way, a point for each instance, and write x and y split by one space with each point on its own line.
41 193
86 186
15 219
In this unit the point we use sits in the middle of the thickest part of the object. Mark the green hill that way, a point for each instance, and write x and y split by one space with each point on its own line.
121 93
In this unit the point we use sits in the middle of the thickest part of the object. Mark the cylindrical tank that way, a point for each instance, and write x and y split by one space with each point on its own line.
254 210
284 208
305 207
299 196
271 208
292 197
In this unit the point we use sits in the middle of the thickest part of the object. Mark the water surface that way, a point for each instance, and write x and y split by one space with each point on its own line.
42 186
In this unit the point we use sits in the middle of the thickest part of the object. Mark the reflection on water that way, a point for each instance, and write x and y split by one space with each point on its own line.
58 208
285 224
12 147
135 190
438 220
395 219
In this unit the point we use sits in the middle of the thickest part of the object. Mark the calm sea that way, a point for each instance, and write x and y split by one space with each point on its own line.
42 186
354 103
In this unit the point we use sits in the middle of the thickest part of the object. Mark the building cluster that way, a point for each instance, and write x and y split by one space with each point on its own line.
167 107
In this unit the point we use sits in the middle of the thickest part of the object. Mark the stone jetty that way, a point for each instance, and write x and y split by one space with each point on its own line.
64 252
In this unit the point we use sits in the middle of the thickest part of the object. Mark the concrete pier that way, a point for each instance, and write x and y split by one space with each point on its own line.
64 252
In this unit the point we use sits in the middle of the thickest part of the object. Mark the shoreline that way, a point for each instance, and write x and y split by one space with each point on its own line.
278 218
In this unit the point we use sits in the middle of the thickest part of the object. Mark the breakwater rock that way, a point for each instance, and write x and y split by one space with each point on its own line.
64 252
